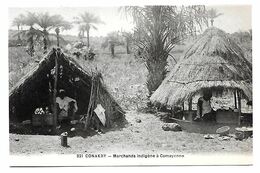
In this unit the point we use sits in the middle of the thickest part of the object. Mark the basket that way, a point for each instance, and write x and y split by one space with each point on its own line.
49 119
244 132
223 131
36 120
42 119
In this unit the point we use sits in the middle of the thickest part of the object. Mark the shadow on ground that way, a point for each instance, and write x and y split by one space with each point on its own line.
19 128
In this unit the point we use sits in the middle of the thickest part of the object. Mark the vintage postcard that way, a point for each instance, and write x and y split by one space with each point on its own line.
130 85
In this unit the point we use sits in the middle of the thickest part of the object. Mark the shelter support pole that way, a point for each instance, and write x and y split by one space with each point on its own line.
90 106
235 99
190 104
55 93
239 107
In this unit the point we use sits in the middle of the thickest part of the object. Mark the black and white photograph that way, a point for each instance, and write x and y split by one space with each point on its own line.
130 85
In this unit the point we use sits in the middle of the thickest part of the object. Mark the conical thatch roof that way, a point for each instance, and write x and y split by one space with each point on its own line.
213 61
33 90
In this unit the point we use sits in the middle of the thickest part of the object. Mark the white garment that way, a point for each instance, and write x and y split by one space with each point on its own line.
64 103
206 106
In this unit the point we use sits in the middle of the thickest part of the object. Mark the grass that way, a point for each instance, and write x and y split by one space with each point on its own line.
125 77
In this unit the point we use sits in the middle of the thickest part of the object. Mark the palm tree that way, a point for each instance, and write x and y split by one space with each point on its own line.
128 40
48 22
81 32
61 25
157 30
18 22
112 40
30 34
87 21
213 14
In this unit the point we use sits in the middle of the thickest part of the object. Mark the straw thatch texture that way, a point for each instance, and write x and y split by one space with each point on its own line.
43 65
34 88
213 61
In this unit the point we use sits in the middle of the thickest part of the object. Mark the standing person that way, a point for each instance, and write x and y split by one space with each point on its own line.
204 110
66 107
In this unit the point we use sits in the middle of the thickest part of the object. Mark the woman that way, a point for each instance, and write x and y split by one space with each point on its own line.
66 107
204 110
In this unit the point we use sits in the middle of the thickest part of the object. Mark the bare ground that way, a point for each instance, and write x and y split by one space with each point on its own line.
144 137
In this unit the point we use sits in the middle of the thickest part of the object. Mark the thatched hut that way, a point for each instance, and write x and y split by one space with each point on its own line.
39 88
214 62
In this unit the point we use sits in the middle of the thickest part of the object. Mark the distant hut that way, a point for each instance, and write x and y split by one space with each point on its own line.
213 61
38 89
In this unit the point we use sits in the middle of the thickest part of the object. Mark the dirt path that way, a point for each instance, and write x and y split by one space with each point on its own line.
144 137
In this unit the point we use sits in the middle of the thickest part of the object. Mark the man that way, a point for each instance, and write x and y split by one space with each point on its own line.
66 107
204 110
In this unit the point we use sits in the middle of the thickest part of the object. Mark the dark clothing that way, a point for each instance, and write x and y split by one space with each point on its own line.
211 116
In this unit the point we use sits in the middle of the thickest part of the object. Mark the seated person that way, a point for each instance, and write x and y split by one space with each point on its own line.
204 110
66 107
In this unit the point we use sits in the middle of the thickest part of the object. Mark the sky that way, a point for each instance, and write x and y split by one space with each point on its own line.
234 18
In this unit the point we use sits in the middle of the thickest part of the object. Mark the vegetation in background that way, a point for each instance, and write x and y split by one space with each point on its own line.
32 34
45 22
157 30
128 36
86 22
212 15
112 40
19 22
49 22
126 75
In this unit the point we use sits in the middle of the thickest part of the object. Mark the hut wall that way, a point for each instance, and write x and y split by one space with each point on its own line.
112 111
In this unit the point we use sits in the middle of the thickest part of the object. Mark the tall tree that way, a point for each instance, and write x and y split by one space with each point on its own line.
213 14
158 29
87 21
128 40
49 22
18 22
81 32
112 40
61 25
31 34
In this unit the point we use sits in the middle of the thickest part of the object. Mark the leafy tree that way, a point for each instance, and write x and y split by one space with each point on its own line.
61 25
82 30
18 22
49 22
213 14
112 40
30 34
87 21
157 30
128 40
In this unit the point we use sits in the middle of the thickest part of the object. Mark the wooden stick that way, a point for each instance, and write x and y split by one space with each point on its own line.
239 107
55 92
89 106
190 104
235 99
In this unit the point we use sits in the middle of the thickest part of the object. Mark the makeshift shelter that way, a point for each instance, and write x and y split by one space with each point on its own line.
214 61
40 86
